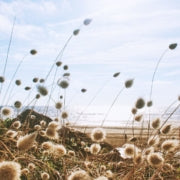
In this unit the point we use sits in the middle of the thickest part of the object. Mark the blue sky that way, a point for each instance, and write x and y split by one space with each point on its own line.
125 36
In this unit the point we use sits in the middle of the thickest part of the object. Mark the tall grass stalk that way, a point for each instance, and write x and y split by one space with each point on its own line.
154 73
151 88
108 111
170 115
8 50
168 108
171 47
51 92
58 57
12 78
94 97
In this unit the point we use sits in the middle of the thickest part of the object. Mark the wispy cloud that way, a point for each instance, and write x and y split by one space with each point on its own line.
127 36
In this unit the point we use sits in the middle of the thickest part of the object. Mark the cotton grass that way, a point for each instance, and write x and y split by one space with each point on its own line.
79 175
98 135
155 159
10 170
95 148
26 142
6 112
170 145
45 176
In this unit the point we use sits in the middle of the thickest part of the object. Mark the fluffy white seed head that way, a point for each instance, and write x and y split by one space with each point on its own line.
6 112
101 178
170 145
95 148
59 150
79 175
26 142
155 160
16 124
10 170
45 176
98 135
130 150
153 141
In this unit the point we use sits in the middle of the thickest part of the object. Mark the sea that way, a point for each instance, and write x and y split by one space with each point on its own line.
115 119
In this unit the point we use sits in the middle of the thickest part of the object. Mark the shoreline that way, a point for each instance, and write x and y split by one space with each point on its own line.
116 136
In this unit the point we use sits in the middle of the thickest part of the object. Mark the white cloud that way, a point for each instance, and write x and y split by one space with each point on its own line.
20 8
5 24
127 36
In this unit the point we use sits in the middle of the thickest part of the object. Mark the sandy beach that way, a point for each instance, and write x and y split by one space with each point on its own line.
116 135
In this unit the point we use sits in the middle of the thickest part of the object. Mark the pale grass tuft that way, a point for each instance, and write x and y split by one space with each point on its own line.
59 150
166 129
2 79
95 148
51 133
42 90
98 135
64 115
129 83
33 117
166 168
37 127
149 150
79 175
170 145
31 166
17 104
54 125
102 168
109 174
58 105
25 171
133 139
45 153
11 133
42 133
26 142
155 160
88 164
83 143
71 153
6 112
87 149
16 124
157 176
45 176
156 123
10 170
140 103
149 103
138 159
18 82
130 150
47 145
138 117
134 111
102 178
43 123
63 84
153 141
